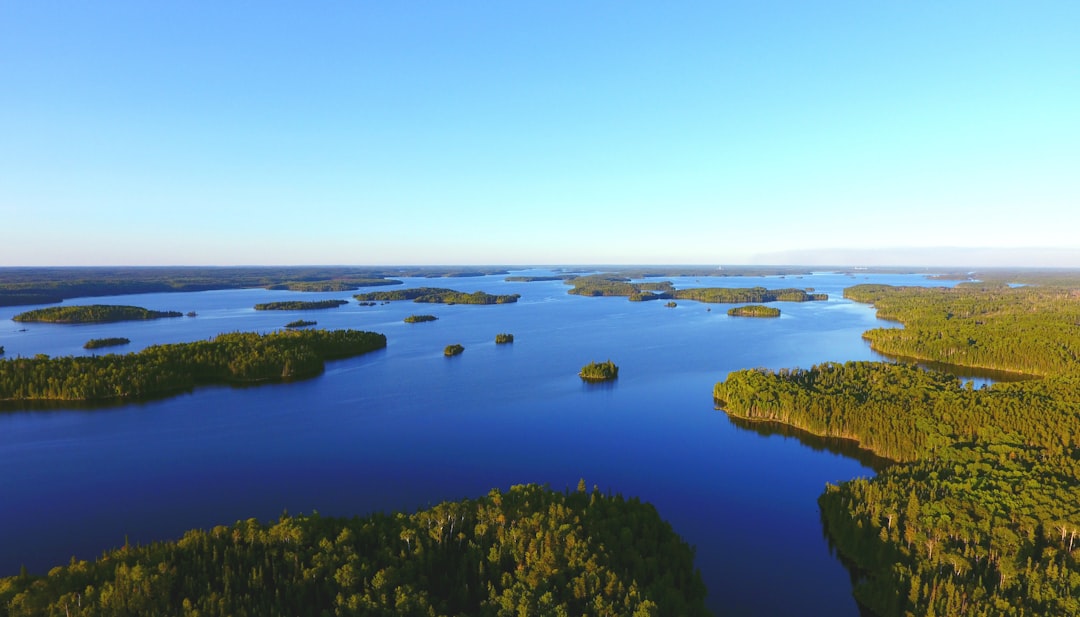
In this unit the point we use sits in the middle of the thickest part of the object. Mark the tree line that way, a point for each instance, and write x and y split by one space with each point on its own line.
438 295
299 305
526 551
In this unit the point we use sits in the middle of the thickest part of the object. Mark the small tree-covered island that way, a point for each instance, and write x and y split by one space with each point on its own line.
526 551
420 318
301 323
980 514
92 313
98 343
437 295
504 338
300 305
164 369
453 350
753 310
599 371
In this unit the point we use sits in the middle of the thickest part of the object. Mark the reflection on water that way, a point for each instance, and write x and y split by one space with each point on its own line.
836 445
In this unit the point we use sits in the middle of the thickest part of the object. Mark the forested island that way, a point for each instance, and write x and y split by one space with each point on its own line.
348 284
612 285
504 338
438 295
164 369
453 350
980 515
599 371
420 318
526 551
92 313
298 305
301 323
98 343
753 310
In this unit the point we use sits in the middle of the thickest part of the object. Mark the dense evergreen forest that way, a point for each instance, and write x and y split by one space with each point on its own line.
299 305
981 513
599 371
162 369
753 310
112 341
527 551
92 313
437 295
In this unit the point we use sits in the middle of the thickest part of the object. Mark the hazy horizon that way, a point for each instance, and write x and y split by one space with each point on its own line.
478 133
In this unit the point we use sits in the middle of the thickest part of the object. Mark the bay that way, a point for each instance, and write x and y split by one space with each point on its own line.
406 427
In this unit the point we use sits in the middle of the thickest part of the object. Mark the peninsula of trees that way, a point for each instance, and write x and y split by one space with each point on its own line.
599 371
92 313
163 369
438 295
753 310
980 515
298 305
526 551
97 343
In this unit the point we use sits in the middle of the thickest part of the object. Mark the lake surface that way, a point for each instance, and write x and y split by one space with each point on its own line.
406 427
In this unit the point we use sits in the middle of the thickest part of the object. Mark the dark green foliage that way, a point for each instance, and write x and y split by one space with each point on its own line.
732 295
97 343
599 371
453 350
300 323
437 295
420 318
297 305
162 369
92 313
611 285
753 310
528 551
982 515
1 350
504 338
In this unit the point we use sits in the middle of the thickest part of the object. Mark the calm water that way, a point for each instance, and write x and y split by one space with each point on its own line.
406 427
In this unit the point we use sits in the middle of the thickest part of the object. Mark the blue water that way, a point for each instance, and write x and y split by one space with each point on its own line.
406 427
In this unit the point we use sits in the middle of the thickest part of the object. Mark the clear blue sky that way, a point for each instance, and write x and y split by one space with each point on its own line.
539 132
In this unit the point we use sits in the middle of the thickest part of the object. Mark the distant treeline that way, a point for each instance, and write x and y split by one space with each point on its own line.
534 279
163 369
610 285
92 313
527 551
298 305
437 295
982 514
22 286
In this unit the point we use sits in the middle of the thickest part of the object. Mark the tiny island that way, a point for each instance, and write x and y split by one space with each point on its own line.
504 338
300 323
92 313
97 343
599 371
420 318
753 310
453 350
